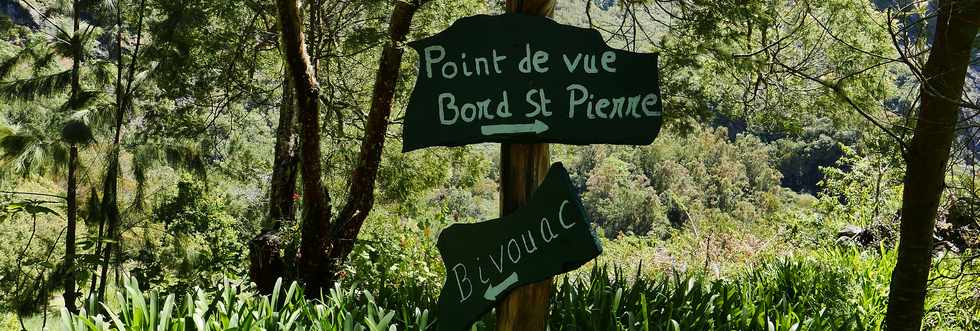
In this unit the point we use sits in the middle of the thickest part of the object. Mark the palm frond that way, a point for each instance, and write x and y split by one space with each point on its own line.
142 75
5 131
13 145
101 72
7 66
64 5
59 156
43 61
185 156
30 152
35 87
108 5
84 100
20 154
98 117
62 36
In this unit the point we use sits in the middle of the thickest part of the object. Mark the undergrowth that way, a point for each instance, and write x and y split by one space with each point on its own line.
835 289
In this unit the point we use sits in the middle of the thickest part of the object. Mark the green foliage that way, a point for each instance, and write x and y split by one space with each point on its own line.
620 199
236 307
705 169
198 244
25 269
706 211
398 260
682 177
840 289
800 157
867 194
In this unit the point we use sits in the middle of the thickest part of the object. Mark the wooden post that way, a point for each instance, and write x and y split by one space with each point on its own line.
522 168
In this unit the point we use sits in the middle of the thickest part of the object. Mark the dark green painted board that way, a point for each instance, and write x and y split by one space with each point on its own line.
515 78
549 236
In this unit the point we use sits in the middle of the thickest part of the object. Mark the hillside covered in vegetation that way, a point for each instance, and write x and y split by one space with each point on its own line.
238 165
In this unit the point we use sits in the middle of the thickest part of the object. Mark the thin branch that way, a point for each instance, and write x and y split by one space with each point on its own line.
45 17
843 95
34 193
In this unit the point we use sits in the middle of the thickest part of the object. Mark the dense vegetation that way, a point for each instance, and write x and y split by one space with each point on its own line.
165 165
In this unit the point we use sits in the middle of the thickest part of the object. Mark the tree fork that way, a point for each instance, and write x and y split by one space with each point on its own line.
316 201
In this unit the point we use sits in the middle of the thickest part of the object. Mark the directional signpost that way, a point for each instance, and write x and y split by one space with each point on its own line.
524 81
486 80
549 236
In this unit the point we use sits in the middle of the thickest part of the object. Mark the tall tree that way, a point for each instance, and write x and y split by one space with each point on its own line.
928 155
74 132
316 200
72 195
123 103
360 200
325 244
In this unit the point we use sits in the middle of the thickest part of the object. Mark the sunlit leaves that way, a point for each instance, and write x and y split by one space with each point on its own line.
36 87
29 207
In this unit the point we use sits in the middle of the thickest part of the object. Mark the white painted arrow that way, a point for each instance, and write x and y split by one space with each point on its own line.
493 291
537 127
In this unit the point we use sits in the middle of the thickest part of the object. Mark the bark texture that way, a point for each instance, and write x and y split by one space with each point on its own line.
266 263
313 272
928 156
361 198
325 245
70 294
522 168
285 165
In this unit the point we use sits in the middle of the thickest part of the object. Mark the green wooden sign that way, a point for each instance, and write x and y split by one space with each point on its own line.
515 78
549 236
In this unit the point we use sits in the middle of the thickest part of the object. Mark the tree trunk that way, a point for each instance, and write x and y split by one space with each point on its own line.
266 264
284 166
72 201
361 198
72 195
313 272
927 158
110 211
324 247
110 206
110 201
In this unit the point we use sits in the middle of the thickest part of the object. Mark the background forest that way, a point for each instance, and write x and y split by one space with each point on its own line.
159 168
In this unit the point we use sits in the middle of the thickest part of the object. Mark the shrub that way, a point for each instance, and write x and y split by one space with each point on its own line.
199 244
621 200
